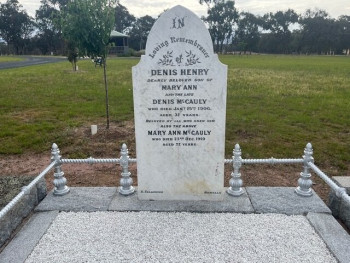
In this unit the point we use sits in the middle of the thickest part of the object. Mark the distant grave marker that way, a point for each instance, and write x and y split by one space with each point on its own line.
180 109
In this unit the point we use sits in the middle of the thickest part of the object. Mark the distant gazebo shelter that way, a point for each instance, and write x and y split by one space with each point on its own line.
119 43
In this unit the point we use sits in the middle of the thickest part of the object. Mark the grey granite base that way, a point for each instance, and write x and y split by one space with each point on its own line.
284 200
20 210
337 240
229 204
87 199
340 208
256 200
24 242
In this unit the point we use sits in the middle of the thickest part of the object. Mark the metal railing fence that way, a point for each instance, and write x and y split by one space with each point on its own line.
236 183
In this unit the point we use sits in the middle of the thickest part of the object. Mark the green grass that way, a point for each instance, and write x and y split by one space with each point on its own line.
39 103
4 59
275 105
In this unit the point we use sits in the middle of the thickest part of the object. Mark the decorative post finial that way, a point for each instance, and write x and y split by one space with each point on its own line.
236 182
126 181
304 182
60 181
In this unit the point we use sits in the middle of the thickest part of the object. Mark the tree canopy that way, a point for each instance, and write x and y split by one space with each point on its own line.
222 17
88 24
49 37
123 19
15 25
140 31
283 31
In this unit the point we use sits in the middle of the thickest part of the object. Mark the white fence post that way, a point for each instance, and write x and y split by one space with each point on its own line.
60 181
236 182
126 187
304 182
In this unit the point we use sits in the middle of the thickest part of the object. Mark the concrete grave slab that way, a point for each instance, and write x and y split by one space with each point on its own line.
343 181
24 242
20 210
79 199
229 204
340 208
285 201
337 240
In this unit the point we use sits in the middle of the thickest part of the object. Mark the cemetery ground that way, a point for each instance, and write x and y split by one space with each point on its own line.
4 59
275 105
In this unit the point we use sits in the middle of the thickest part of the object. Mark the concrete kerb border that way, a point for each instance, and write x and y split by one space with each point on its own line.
22 245
21 209
340 208
334 236
332 233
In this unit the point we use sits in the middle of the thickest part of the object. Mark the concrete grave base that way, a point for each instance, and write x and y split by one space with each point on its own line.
132 203
284 200
258 200
87 199
340 209
21 210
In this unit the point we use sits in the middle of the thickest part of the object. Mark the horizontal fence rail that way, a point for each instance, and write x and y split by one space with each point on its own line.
126 181
89 161
25 190
267 161
272 161
339 191
236 183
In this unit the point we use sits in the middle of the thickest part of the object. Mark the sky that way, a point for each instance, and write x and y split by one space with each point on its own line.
153 8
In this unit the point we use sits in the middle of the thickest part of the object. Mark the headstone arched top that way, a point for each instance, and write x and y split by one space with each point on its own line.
179 29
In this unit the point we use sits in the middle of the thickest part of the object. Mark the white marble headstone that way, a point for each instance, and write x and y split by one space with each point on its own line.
180 109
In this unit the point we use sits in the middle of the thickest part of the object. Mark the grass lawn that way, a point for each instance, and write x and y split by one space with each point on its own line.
4 59
275 105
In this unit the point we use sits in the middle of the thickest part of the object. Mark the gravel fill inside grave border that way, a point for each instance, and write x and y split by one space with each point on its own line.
179 237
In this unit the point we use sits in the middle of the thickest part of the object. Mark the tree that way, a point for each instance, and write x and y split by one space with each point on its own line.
140 31
279 26
247 33
15 25
210 3
222 17
344 28
318 32
123 19
49 37
87 24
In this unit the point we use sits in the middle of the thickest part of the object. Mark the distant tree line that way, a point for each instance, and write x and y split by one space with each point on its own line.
286 32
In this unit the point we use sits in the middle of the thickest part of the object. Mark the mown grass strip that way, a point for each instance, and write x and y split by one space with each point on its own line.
276 104
4 59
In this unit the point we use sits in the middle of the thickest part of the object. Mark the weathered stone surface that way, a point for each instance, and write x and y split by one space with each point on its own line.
79 199
334 203
14 217
340 208
345 213
179 104
229 204
24 242
41 189
337 240
344 181
285 201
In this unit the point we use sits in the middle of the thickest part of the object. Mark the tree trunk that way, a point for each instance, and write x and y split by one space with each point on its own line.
106 89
